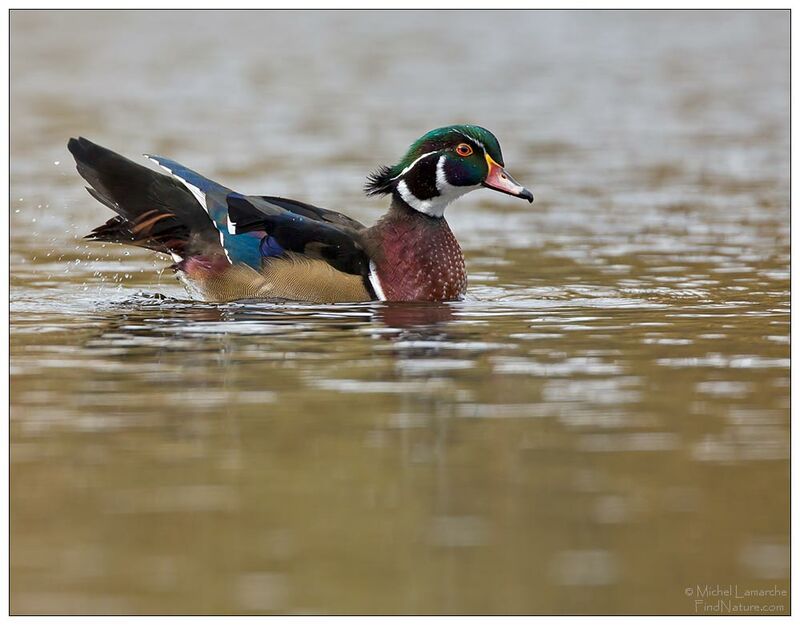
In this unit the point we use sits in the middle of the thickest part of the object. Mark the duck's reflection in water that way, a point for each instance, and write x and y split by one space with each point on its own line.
149 314
414 315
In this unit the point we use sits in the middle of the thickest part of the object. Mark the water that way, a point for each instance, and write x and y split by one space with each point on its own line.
600 426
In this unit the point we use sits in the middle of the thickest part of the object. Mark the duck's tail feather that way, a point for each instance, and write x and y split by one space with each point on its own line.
154 211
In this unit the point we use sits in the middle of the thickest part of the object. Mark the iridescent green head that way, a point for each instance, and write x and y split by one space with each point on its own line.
443 165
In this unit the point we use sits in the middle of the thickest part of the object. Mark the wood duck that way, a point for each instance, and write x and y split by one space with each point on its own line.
228 246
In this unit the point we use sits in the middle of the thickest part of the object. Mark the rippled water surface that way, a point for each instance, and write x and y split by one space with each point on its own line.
601 425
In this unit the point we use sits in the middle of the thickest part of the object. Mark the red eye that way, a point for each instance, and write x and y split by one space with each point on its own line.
464 149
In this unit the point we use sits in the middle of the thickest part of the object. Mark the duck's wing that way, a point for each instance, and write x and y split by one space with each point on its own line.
312 212
212 197
290 228
252 229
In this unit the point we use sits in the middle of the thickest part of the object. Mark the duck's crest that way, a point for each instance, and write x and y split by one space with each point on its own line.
380 181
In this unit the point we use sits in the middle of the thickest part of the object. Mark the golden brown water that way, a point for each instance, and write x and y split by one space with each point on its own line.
601 426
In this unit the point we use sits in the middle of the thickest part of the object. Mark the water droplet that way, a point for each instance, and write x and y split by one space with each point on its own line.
56 162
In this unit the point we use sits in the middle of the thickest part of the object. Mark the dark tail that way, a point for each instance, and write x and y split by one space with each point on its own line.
154 211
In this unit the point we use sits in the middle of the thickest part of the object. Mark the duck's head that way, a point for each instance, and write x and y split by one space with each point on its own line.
443 165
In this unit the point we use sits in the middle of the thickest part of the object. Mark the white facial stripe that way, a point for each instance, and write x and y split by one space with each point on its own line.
375 281
410 167
435 206
472 139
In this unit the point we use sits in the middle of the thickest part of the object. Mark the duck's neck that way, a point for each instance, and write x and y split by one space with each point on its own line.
415 257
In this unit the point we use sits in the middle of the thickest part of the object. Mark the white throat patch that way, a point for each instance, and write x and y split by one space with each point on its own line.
434 207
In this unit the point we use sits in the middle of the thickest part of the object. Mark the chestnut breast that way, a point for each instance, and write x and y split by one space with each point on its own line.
418 258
